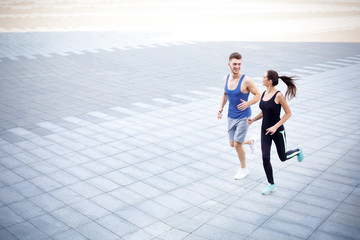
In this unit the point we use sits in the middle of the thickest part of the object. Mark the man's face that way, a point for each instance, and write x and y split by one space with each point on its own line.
235 65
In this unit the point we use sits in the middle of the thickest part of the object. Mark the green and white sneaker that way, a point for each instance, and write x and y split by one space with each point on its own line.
270 188
300 156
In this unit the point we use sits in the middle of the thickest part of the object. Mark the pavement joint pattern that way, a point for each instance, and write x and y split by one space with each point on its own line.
143 169
113 134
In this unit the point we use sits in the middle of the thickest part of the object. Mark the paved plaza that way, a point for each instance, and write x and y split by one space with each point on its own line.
113 134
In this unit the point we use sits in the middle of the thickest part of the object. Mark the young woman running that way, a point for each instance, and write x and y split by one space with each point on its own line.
272 128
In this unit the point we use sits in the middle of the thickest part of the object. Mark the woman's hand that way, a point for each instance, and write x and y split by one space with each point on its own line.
271 130
249 121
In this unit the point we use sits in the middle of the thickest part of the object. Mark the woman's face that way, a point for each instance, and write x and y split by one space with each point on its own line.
265 80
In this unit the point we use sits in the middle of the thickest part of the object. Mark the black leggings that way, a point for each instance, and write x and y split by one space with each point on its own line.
279 138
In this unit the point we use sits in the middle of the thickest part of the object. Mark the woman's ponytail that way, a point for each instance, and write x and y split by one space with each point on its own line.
289 81
291 87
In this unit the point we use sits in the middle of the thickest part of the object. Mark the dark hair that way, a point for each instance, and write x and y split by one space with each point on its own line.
289 81
235 55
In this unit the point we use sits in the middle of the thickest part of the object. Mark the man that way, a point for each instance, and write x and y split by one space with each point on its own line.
237 88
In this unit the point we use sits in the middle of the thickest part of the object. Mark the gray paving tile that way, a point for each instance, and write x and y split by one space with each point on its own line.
136 217
141 234
9 162
45 183
9 217
340 230
8 196
173 234
155 209
97 167
298 218
308 209
6 235
42 153
344 219
49 224
316 201
85 189
66 195
44 167
117 225
325 193
157 228
262 233
8 177
317 235
120 178
70 217
80 172
172 202
183 223
188 196
26 209
26 231
244 215
95 231
71 234
47 202
233 225
257 207
109 202
144 189
127 196
349 209
63 178
90 209
210 232
27 189
333 186
292 229
135 172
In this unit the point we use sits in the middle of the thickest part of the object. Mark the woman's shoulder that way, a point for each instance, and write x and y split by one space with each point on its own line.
279 97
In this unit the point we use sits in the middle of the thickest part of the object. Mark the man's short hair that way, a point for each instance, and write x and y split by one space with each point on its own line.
235 55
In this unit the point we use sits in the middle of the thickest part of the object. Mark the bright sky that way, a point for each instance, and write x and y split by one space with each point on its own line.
201 20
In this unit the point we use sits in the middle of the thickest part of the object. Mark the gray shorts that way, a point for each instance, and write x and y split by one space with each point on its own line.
237 129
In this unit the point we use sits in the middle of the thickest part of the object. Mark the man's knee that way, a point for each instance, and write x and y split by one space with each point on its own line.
237 144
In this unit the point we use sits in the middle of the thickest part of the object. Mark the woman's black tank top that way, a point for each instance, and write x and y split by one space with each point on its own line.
271 112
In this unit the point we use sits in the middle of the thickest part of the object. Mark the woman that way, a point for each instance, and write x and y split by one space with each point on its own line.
272 128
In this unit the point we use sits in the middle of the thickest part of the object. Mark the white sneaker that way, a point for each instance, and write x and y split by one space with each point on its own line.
252 145
242 173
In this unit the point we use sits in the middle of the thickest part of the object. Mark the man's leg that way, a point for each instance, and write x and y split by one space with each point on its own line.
241 153
243 171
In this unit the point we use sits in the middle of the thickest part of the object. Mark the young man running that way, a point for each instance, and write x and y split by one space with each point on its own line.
237 88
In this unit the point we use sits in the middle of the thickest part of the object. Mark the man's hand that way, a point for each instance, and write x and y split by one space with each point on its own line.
219 114
244 105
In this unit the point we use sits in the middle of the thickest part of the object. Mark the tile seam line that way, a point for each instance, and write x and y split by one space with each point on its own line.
338 203
103 50
292 199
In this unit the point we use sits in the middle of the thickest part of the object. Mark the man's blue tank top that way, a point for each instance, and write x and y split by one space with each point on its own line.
234 98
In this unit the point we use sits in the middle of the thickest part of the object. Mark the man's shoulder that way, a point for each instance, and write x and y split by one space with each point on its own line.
248 79
224 78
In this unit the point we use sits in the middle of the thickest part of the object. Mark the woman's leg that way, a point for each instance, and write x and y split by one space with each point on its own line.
265 148
280 142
